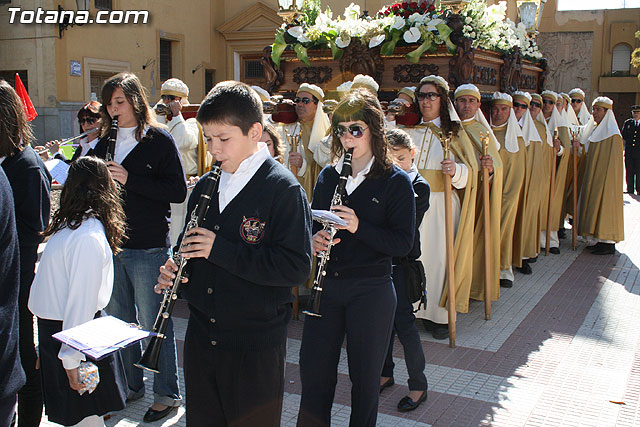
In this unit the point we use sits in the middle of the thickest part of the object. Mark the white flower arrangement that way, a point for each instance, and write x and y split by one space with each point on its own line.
405 23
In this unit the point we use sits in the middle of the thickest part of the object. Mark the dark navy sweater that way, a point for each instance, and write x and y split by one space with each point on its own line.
386 211
31 184
422 193
11 373
155 179
240 297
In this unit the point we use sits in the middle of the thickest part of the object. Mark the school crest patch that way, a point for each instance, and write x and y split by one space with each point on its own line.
252 230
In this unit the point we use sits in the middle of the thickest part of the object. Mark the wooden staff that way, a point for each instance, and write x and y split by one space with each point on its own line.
487 231
294 140
448 224
551 191
574 227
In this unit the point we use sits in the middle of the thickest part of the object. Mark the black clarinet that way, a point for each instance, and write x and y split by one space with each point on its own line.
111 140
330 227
149 359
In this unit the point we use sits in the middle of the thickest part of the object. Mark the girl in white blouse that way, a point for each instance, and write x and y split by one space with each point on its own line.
72 285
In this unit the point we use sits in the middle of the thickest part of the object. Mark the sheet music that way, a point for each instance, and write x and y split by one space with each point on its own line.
99 337
58 170
327 216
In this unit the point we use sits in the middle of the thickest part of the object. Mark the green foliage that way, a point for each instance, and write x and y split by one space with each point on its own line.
310 11
635 56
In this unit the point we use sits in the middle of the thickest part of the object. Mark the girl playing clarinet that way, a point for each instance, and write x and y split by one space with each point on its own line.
358 298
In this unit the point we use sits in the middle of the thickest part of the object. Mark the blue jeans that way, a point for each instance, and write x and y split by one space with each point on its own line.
405 327
133 300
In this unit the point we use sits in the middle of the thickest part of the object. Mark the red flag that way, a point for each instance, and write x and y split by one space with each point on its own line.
29 109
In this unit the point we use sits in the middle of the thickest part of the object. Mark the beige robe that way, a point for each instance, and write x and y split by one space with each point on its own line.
537 160
562 166
513 199
429 155
474 129
600 204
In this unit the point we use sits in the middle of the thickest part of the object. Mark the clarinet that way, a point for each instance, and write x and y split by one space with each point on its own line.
149 359
111 140
330 227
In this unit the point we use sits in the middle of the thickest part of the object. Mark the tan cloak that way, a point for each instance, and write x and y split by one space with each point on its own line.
513 198
537 164
429 155
562 165
600 204
474 129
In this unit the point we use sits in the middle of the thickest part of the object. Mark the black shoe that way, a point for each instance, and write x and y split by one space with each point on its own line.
153 415
532 260
605 249
428 325
555 251
387 383
595 247
562 234
407 404
506 283
525 269
440 331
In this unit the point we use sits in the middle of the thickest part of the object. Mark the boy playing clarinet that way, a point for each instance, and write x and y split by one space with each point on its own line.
253 247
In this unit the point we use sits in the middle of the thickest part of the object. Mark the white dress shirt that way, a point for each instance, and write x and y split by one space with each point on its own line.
86 145
74 280
125 143
354 181
232 183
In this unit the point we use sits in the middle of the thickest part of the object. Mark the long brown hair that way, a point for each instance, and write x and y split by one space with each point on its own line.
361 104
446 124
15 130
136 96
90 192
278 144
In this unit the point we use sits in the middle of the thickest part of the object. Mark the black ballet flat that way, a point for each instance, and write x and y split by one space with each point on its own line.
153 415
407 404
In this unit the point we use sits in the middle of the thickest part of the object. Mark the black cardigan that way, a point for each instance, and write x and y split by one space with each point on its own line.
11 373
155 179
241 295
386 211
31 184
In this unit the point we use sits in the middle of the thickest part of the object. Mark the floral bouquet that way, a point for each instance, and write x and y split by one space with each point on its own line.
420 25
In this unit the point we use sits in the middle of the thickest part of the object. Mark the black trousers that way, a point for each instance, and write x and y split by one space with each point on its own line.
30 395
632 165
7 410
363 310
404 325
228 388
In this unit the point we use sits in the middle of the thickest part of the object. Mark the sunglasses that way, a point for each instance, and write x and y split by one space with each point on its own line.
355 130
87 120
536 104
547 102
518 105
431 96
305 101
576 101
168 97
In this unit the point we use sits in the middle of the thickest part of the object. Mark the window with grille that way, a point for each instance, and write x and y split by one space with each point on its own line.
251 69
165 60
10 77
97 81
104 4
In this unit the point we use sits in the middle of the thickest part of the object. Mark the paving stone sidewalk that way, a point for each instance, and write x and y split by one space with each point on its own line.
562 349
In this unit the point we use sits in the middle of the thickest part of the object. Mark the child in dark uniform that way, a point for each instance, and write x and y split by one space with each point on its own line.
403 153
253 247
358 297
